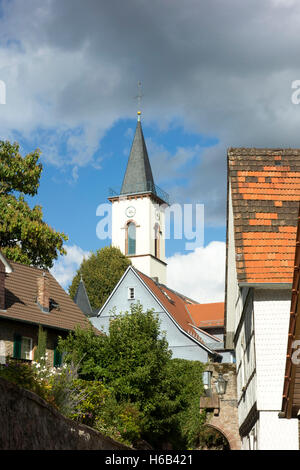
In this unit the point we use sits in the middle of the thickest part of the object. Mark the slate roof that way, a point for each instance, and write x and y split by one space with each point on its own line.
138 176
20 298
81 299
207 315
265 186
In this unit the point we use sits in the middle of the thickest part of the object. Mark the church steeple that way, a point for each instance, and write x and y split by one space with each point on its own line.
138 213
138 176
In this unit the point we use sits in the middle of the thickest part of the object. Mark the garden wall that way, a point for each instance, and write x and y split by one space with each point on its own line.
27 422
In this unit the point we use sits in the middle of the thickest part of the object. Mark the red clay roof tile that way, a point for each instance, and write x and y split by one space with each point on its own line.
265 187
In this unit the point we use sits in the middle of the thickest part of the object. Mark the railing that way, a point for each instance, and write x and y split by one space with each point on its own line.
139 188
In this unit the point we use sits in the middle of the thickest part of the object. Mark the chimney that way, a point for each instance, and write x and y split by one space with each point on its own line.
2 286
43 292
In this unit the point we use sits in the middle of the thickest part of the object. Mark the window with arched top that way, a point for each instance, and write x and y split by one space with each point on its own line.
156 241
131 238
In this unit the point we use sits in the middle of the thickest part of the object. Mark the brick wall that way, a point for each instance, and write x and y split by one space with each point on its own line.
29 423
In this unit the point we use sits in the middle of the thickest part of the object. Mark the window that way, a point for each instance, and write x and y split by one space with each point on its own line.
22 347
156 241
131 236
131 293
206 378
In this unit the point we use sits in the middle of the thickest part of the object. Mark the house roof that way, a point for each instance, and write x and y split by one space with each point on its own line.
138 176
207 315
81 299
291 389
175 304
20 300
265 188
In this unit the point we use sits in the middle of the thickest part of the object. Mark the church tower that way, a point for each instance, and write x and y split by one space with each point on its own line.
138 213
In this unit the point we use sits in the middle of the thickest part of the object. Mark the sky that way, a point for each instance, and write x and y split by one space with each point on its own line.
214 75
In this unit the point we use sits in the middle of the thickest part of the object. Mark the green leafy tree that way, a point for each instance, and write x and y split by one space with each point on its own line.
100 272
24 236
134 361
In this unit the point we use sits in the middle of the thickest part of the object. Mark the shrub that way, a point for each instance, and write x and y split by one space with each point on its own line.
24 375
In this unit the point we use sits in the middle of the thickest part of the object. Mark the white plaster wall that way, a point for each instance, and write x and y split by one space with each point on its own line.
276 433
181 345
145 219
271 320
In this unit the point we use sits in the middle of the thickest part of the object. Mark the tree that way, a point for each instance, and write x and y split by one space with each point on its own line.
24 236
100 272
40 351
134 362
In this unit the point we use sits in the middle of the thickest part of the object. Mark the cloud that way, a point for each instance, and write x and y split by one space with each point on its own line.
65 267
199 275
220 69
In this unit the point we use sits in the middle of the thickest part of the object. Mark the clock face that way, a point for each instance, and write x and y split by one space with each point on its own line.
157 214
130 211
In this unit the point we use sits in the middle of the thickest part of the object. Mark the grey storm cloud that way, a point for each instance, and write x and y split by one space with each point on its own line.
219 68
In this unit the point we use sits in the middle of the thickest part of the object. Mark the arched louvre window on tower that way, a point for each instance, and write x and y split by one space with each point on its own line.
131 239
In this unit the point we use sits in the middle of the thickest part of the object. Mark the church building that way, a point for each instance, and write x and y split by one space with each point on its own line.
138 230
138 219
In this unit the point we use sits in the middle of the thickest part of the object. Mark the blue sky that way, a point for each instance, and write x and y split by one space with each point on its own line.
69 201
214 74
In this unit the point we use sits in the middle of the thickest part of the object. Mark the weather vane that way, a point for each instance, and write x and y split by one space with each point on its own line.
139 98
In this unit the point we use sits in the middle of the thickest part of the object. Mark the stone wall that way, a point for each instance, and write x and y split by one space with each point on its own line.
223 409
27 422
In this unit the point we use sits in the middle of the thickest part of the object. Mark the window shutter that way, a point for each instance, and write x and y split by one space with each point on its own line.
57 358
17 346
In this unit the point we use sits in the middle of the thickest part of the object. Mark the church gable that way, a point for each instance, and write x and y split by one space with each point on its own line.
131 289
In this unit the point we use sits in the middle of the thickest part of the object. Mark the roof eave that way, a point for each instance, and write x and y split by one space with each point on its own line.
267 285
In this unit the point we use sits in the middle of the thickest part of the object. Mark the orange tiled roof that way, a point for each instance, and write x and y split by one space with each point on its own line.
174 303
265 188
207 315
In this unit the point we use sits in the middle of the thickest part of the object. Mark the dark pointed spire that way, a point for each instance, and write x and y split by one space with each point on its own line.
138 176
81 299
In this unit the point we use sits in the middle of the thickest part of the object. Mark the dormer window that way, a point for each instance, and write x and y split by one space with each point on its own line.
131 293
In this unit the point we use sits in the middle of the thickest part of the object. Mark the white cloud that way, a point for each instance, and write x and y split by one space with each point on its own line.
65 267
199 275
221 69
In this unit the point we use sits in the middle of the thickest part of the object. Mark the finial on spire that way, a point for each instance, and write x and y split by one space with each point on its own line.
139 98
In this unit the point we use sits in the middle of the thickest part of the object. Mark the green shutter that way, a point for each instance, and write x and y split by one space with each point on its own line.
17 346
57 358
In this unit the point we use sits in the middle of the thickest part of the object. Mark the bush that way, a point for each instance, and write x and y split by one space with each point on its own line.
121 421
90 397
24 375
